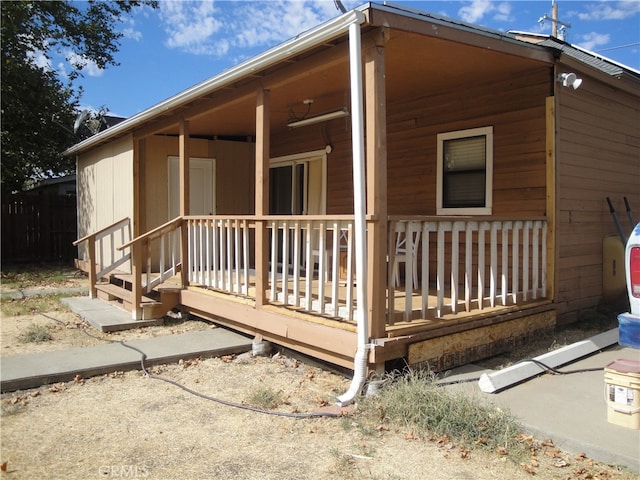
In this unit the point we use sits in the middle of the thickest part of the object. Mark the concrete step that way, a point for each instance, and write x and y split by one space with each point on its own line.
105 316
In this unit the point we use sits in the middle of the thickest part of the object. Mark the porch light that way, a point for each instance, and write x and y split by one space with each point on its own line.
569 80
323 117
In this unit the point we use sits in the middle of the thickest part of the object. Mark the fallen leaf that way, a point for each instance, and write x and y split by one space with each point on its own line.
560 463
554 453
528 468
3 467
481 441
57 388
547 443
581 456
528 439
501 451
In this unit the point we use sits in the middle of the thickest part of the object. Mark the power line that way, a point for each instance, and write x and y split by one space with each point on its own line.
620 46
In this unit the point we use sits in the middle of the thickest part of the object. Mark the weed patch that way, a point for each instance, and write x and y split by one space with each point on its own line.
31 305
265 398
413 401
35 334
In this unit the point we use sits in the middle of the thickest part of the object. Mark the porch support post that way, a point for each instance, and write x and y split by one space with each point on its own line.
184 167
262 194
552 263
184 197
136 255
376 171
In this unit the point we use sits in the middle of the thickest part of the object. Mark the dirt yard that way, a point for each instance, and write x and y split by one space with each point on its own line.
128 425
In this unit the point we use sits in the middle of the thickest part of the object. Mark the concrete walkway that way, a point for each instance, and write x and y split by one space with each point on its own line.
569 409
19 372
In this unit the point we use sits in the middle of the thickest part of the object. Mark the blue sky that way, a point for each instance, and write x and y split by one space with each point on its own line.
182 43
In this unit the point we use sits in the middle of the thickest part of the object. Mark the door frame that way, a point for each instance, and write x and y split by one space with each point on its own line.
306 158
193 161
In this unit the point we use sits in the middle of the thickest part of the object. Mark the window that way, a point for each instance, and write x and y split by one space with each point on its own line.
297 184
465 167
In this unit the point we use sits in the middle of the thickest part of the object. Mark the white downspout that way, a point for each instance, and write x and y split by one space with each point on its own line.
359 206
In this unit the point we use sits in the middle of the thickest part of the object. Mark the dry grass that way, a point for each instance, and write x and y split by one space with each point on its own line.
128 421
127 425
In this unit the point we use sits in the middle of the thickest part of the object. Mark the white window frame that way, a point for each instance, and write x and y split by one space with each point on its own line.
473 132
305 158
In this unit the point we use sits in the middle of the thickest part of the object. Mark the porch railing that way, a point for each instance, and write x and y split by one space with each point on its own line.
312 264
104 252
465 265
219 254
444 266
310 260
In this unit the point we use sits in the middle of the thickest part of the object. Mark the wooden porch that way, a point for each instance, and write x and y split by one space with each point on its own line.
444 277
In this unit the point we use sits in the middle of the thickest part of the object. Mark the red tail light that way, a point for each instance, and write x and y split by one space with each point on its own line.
634 271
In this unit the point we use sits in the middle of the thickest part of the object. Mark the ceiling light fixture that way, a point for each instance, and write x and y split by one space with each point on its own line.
569 80
322 117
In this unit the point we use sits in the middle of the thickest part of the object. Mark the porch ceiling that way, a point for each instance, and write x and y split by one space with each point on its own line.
416 66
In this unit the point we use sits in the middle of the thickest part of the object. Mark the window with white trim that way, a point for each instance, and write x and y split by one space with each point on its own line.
465 171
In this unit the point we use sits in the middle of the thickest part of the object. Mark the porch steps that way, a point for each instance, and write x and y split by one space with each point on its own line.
152 307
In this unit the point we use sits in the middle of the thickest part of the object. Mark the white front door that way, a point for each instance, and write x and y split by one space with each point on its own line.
202 193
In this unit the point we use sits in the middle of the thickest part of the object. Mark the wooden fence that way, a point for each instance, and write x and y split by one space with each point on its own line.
38 228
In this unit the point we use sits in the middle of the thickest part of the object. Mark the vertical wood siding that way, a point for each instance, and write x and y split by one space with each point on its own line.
598 156
105 187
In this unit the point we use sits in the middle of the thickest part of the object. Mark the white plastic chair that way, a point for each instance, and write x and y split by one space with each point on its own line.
401 254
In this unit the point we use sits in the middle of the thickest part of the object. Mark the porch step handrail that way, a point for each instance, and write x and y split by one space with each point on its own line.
102 263
155 233
168 253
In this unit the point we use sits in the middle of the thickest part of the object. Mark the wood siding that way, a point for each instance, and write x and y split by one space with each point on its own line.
515 107
105 187
598 156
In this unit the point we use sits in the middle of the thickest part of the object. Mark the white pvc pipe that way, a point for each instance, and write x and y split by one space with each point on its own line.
360 210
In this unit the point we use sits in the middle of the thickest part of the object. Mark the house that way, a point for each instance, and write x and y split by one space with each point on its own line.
389 185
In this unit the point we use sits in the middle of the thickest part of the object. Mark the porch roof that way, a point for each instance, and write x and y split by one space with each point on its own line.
325 36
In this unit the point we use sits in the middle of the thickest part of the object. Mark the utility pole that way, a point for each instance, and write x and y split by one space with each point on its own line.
555 22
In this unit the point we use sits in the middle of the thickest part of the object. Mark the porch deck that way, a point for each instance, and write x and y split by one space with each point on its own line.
274 277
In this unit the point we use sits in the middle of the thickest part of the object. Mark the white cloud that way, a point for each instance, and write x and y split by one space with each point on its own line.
477 9
592 40
610 10
88 66
503 13
40 60
190 26
218 28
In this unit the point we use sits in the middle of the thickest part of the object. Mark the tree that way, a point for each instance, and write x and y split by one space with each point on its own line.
38 106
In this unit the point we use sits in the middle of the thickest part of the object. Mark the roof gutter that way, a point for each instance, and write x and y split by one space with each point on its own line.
316 36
